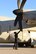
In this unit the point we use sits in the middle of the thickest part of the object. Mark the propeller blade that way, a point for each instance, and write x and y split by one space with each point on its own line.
18 3
22 4
19 21
15 22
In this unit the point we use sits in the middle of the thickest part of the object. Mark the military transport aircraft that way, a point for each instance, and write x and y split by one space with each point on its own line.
28 23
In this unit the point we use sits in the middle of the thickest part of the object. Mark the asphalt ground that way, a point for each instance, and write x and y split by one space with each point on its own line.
8 49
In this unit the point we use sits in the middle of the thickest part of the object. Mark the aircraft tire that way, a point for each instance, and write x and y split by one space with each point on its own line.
20 44
32 46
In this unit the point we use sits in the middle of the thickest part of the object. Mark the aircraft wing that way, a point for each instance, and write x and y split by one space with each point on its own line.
30 16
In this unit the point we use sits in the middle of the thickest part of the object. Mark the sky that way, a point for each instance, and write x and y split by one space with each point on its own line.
7 7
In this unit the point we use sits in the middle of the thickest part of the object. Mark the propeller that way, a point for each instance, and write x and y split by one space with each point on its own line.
19 13
20 7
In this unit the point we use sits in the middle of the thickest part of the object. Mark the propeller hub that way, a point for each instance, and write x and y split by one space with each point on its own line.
17 11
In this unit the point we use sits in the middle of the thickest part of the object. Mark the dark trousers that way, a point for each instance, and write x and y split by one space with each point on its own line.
16 42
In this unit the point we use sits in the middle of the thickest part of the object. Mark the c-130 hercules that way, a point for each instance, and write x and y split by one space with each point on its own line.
29 23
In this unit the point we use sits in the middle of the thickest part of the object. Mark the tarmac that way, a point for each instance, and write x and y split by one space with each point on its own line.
8 49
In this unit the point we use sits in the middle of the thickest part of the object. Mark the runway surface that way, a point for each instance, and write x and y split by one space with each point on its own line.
8 49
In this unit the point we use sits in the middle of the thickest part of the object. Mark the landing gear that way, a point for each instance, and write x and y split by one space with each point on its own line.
20 44
32 46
